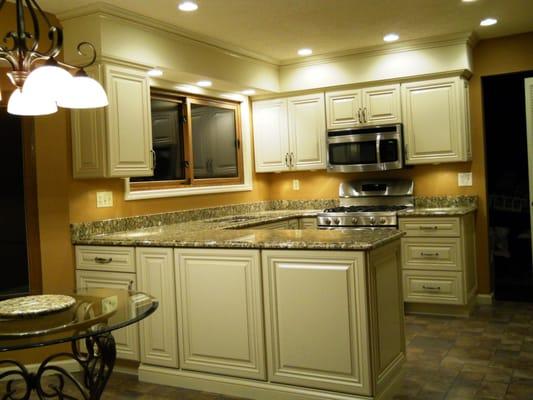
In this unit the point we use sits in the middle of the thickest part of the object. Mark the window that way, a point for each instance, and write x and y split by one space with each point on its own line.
196 142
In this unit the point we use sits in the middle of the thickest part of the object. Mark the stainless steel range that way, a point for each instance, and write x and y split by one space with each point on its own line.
368 204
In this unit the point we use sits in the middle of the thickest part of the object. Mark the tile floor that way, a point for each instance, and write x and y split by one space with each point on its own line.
487 356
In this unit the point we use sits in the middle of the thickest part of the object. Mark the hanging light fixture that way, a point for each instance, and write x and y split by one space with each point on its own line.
42 86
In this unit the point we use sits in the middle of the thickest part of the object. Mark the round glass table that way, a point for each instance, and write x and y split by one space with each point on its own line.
86 322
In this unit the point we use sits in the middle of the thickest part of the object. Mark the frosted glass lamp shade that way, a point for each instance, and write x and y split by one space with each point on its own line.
49 80
83 92
22 104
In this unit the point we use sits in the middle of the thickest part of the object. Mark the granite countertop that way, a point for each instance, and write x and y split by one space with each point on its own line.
235 226
238 232
437 211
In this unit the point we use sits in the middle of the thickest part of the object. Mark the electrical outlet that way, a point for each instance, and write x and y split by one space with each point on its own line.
464 179
109 304
104 199
295 184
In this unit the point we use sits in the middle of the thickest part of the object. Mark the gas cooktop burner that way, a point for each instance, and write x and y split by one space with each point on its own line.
352 209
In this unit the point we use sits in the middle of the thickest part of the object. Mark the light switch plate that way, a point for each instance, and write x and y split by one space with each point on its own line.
104 199
464 179
295 184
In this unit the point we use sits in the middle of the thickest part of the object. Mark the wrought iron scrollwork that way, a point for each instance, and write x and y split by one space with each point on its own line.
96 368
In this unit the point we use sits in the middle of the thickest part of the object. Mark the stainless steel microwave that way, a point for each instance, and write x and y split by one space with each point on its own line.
376 148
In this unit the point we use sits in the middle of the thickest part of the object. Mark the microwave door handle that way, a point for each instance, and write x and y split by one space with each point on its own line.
378 144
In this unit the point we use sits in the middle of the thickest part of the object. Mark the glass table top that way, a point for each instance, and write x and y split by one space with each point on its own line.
94 311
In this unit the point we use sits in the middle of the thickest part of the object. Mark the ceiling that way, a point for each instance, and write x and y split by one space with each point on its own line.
277 28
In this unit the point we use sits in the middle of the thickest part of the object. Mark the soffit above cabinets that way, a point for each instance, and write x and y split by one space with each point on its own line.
275 29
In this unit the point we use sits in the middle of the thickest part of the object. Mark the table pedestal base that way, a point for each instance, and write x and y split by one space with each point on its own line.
96 367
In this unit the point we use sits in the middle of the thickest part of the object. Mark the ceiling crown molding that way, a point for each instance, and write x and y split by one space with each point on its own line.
468 38
107 9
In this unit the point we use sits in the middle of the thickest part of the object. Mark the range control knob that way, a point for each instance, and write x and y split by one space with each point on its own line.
372 220
383 221
354 220
327 221
337 221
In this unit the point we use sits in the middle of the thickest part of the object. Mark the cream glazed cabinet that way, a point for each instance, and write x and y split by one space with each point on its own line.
438 264
115 141
375 105
290 133
436 121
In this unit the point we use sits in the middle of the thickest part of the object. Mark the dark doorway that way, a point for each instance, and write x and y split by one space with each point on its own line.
508 185
19 233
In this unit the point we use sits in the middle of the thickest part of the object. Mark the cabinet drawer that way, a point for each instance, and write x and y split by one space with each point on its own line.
431 253
105 258
443 227
433 287
287 224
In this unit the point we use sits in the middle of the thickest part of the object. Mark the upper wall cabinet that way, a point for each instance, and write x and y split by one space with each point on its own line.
436 121
115 141
290 134
367 106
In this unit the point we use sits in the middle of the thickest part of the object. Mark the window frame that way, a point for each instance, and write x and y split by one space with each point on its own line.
187 100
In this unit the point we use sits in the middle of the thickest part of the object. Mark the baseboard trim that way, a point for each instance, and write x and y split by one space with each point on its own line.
68 365
485 299
246 388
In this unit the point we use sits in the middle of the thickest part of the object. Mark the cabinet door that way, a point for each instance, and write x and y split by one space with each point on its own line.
203 137
88 137
308 223
434 121
343 109
220 317
316 319
381 105
307 132
158 333
271 135
129 135
126 339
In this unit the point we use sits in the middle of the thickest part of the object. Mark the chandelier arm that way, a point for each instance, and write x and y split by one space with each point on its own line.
5 55
36 35
81 53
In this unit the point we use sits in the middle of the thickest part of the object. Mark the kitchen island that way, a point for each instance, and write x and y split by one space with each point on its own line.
259 313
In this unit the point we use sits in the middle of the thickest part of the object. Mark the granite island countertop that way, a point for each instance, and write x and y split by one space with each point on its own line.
437 211
238 232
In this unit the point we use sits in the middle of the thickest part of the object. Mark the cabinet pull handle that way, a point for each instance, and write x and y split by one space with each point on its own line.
154 159
102 260
431 287
287 160
428 227
429 254
130 286
364 115
292 159
359 115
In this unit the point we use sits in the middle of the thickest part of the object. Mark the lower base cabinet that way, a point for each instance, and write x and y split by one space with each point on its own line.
316 319
220 312
126 339
158 333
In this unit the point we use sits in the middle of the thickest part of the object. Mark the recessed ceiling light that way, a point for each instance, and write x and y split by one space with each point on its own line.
248 92
155 72
305 52
469 1
204 83
488 22
188 6
391 37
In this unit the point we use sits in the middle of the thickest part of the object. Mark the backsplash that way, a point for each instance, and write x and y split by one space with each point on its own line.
445 201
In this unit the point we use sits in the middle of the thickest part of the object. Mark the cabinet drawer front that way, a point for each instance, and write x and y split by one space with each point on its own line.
430 226
105 258
433 287
287 224
429 253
